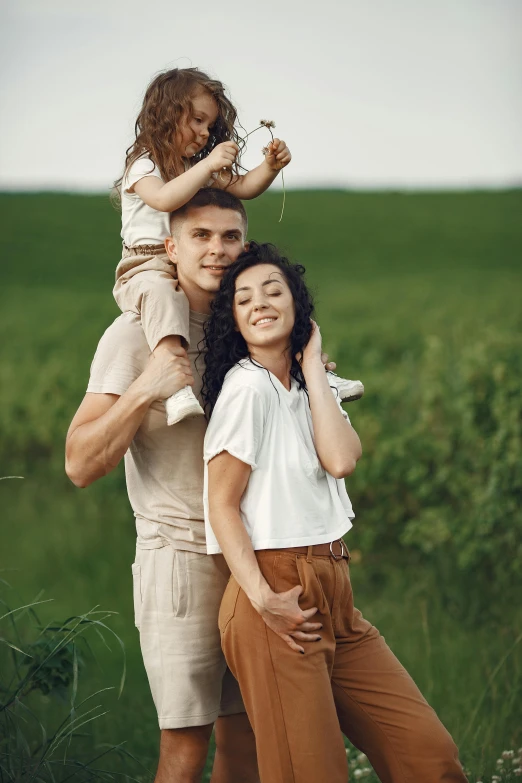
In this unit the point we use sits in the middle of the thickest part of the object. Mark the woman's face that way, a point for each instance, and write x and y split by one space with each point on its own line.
264 307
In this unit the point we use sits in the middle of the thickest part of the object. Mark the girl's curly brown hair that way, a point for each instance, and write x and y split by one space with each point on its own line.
167 101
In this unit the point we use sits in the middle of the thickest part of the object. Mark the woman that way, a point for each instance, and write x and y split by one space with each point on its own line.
277 448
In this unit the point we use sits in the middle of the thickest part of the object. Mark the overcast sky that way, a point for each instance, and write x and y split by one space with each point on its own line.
375 93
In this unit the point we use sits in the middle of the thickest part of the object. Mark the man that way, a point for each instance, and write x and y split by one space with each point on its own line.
177 586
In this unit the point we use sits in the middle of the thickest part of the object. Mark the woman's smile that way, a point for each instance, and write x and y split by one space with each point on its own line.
266 321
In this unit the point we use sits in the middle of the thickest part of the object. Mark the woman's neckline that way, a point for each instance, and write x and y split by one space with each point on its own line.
259 366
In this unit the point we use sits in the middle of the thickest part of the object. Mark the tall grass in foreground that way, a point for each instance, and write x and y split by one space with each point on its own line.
44 720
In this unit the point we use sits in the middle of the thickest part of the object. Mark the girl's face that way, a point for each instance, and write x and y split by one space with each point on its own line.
194 130
264 307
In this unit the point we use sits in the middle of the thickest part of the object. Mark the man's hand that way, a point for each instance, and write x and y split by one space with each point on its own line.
167 372
328 366
277 155
283 615
222 156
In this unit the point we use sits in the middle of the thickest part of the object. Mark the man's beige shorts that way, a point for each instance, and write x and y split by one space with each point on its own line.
177 595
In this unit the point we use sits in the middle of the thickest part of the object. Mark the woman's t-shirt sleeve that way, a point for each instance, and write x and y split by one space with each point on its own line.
237 424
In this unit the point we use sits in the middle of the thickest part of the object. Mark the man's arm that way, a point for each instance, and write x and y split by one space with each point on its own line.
105 424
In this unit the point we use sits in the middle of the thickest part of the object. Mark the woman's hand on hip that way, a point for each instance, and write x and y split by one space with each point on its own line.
283 615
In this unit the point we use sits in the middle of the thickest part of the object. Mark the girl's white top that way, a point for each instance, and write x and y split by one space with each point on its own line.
290 500
141 224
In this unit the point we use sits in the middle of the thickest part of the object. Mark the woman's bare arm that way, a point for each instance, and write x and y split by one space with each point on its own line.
227 481
336 442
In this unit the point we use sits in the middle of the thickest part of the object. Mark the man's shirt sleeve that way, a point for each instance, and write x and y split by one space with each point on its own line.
119 359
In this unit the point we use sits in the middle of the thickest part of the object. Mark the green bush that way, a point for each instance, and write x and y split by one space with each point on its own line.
443 488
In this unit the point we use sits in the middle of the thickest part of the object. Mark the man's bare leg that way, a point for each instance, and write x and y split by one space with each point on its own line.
235 760
183 754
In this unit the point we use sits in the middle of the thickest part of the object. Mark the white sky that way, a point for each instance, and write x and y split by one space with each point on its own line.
374 93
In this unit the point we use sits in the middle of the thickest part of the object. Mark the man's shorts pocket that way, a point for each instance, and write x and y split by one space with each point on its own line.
136 588
180 583
228 604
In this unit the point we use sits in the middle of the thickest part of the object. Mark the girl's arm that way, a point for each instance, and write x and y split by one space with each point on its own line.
227 481
336 442
258 180
168 196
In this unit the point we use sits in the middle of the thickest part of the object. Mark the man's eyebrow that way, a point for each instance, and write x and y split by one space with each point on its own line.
236 231
248 288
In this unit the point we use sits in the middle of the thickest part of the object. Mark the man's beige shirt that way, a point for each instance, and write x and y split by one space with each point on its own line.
164 465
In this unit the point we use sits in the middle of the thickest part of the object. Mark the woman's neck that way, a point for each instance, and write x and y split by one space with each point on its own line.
276 361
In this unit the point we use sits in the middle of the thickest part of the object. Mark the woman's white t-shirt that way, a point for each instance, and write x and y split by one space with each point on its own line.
290 500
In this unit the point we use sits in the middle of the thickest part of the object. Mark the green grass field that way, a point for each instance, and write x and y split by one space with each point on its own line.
419 295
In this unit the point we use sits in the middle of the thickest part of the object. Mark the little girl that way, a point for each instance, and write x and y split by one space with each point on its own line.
185 140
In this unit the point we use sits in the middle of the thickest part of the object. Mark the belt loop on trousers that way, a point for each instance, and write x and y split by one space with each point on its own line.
309 554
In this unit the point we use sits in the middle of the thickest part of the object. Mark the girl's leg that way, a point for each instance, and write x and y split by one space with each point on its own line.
380 708
161 304
154 294
287 695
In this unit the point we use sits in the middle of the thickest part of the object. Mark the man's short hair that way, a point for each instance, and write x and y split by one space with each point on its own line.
210 197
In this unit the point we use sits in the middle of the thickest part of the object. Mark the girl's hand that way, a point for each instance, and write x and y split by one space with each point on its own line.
222 156
313 351
277 155
283 615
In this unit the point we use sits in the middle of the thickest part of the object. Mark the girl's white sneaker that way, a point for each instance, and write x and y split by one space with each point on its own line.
182 405
349 391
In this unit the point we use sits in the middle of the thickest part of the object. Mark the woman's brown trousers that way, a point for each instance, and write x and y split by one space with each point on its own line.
348 682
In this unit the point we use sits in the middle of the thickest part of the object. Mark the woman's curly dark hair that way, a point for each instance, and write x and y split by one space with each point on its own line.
225 345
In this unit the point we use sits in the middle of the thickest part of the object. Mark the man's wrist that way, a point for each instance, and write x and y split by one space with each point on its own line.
140 394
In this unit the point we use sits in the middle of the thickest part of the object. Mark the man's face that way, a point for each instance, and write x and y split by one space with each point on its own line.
207 241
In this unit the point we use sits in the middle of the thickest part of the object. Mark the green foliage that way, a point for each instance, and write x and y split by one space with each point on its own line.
449 483
36 743
419 296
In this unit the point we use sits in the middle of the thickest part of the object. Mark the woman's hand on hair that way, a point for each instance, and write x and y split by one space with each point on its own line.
277 155
222 156
313 349
283 615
